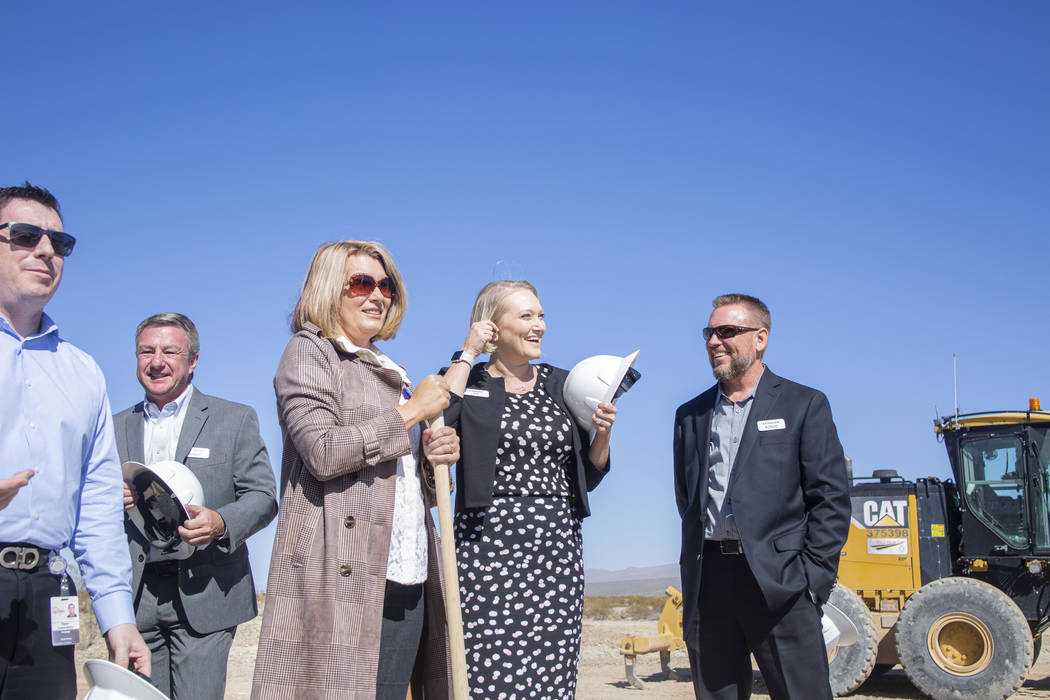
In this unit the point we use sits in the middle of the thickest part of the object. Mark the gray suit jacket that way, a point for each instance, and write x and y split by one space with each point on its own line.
215 583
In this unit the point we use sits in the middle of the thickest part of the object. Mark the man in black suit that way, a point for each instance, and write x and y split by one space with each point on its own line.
760 481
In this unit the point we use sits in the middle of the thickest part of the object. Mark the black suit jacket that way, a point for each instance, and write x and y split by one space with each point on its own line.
788 489
476 418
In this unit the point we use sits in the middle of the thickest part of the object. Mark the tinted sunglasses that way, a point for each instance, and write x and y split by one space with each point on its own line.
362 285
28 236
724 332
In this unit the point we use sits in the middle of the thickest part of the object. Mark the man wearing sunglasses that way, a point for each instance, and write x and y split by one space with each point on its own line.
189 601
63 481
760 481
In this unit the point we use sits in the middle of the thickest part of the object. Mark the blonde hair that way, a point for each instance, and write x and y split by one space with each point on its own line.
326 279
489 304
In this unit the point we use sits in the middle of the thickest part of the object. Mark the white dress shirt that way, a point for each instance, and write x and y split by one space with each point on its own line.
160 437
163 427
407 560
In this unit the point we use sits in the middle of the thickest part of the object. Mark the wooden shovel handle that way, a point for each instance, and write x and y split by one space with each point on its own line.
453 612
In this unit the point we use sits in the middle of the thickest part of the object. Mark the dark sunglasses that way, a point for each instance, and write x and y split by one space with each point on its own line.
28 236
361 285
724 332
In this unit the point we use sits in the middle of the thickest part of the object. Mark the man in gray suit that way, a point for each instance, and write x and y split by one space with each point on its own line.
188 610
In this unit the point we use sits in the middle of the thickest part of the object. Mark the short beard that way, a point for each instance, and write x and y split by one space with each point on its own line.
738 364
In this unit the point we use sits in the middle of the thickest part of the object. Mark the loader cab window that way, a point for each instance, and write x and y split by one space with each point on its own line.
994 471
1038 456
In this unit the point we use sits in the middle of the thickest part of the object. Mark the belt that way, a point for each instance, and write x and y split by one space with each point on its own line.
22 556
163 568
723 547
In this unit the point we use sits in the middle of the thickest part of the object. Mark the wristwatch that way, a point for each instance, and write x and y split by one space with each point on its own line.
463 356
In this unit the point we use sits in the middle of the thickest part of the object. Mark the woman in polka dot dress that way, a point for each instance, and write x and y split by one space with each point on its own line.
522 483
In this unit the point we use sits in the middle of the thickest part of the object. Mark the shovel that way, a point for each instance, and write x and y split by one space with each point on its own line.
453 614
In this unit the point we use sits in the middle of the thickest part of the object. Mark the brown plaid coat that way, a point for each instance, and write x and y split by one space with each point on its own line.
324 598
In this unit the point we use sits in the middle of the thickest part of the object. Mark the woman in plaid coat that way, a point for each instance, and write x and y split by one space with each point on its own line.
354 603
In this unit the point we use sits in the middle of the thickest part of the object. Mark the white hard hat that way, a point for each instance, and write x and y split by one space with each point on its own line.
165 489
839 630
598 379
111 682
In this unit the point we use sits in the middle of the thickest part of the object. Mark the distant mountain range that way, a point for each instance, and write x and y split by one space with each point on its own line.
635 580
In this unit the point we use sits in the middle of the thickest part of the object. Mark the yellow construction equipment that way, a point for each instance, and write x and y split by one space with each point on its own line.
950 579
668 638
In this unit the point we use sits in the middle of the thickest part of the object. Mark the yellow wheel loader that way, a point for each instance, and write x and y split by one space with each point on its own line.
949 578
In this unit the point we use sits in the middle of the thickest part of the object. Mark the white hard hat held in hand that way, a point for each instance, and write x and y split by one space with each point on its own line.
111 682
598 379
839 630
165 489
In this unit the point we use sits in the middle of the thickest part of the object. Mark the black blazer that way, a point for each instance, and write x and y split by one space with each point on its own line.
476 418
788 489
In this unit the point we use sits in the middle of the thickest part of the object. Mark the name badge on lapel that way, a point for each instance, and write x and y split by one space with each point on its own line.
775 424
482 393
203 452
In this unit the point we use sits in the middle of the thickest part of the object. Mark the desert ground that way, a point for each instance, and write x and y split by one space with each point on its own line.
601 667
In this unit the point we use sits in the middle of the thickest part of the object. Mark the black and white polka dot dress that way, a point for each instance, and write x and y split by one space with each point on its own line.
521 560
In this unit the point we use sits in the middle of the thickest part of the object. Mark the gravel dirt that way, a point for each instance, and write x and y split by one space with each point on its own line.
601 667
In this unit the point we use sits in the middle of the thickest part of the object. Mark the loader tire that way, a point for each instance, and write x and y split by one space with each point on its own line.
963 639
850 666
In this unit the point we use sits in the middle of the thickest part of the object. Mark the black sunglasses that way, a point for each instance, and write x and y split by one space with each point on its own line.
28 236
724 332
362 285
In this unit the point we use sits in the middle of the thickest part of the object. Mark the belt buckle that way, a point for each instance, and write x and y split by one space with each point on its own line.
25 558
736 548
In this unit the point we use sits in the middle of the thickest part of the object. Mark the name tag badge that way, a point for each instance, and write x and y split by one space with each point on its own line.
775 424
482 393
65 620
204 452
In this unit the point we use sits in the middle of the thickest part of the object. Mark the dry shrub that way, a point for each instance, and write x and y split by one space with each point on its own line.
623 607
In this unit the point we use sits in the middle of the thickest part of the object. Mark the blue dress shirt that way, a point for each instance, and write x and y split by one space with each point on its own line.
55 419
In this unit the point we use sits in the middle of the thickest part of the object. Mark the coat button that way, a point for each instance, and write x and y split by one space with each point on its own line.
345 570
142 557
349 522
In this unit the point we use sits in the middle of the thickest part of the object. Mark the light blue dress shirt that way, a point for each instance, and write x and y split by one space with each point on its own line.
55 419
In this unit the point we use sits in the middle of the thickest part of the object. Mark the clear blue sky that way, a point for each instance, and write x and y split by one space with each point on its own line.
877 172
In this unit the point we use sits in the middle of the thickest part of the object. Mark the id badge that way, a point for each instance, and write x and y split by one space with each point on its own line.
65 620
